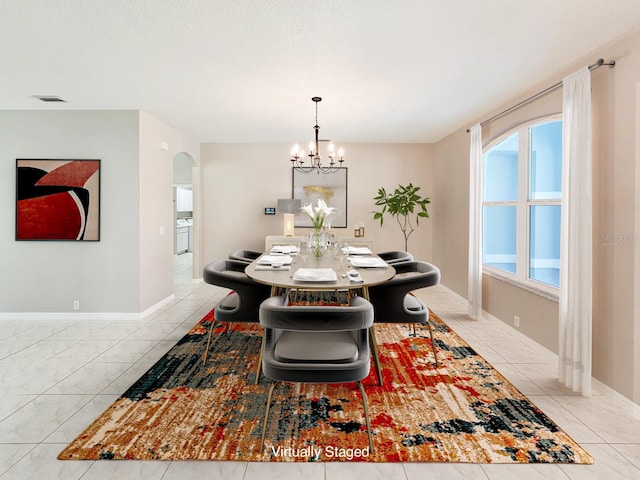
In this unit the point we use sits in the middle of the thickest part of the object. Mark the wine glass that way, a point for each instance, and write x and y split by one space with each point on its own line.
343 255
303 249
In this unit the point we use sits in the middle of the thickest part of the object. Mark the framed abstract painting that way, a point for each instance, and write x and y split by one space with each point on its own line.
57 199
330 187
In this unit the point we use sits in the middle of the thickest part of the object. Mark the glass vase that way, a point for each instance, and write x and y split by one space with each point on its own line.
318 243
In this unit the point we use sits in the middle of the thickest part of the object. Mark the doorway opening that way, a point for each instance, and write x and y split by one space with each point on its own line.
183 216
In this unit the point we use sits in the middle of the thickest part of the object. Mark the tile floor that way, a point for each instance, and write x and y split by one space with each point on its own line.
57 376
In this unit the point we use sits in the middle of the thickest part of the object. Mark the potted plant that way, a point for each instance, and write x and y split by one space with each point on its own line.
405 205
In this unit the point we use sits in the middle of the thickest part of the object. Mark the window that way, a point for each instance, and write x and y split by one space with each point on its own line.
522 203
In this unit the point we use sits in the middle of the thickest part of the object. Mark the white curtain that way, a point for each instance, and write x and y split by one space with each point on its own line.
475 223
574 362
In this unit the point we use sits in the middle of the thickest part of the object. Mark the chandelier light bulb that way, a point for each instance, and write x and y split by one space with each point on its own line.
295 150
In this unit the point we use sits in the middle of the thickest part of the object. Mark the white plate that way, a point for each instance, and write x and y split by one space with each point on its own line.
359 251
367 262
315 275
284 249
277 259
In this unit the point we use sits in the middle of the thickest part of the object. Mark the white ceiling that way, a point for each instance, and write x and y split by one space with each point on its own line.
245 71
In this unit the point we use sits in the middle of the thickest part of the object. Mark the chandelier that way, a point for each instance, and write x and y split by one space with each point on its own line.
315 161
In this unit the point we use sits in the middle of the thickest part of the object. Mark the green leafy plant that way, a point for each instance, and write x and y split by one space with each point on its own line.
405 205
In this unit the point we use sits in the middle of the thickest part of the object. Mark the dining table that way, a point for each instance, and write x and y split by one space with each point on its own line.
354 269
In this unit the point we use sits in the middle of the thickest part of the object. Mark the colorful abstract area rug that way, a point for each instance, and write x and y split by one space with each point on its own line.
463 411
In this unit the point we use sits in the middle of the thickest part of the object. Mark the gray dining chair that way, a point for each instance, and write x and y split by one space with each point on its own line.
393 301
396 256
316 344
242 304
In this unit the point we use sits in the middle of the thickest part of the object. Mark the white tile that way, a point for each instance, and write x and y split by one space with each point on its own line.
609 465
180 331
153 331
189 304
158 351
85 350
34 378
173 316
12 453
12 345
125 470
519 380
128 378
74 426
9 403
42 350
41 463
523 472
566 420
89 379
38 419
199 470
444 471
115 331
81 330
127 351
370 471
488 353
514 352
285 471
603 417
630 451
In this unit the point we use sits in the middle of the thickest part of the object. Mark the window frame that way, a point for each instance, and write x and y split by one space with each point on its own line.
523 204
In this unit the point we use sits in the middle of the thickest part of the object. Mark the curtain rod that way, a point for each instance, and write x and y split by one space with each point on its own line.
599 63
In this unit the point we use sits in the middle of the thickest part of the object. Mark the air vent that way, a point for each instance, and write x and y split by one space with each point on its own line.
49 98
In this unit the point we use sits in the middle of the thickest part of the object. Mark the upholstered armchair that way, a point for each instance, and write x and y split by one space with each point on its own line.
393 301
316 344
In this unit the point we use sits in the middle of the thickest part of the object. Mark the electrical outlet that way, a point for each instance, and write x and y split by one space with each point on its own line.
76 304
516 320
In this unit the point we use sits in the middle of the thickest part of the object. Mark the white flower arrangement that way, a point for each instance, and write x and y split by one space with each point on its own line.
318 214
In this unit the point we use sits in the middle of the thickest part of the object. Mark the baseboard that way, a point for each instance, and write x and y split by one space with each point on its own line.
86 315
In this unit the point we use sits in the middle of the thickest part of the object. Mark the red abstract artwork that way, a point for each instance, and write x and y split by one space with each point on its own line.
57 199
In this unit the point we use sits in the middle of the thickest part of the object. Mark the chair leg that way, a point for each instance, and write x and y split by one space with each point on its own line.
259 367
374 351
433 345
206 351
366 414
266 415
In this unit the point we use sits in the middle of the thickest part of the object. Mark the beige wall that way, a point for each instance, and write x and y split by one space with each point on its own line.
239 180
616 316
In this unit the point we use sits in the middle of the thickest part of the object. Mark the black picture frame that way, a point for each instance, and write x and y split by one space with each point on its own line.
58 199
